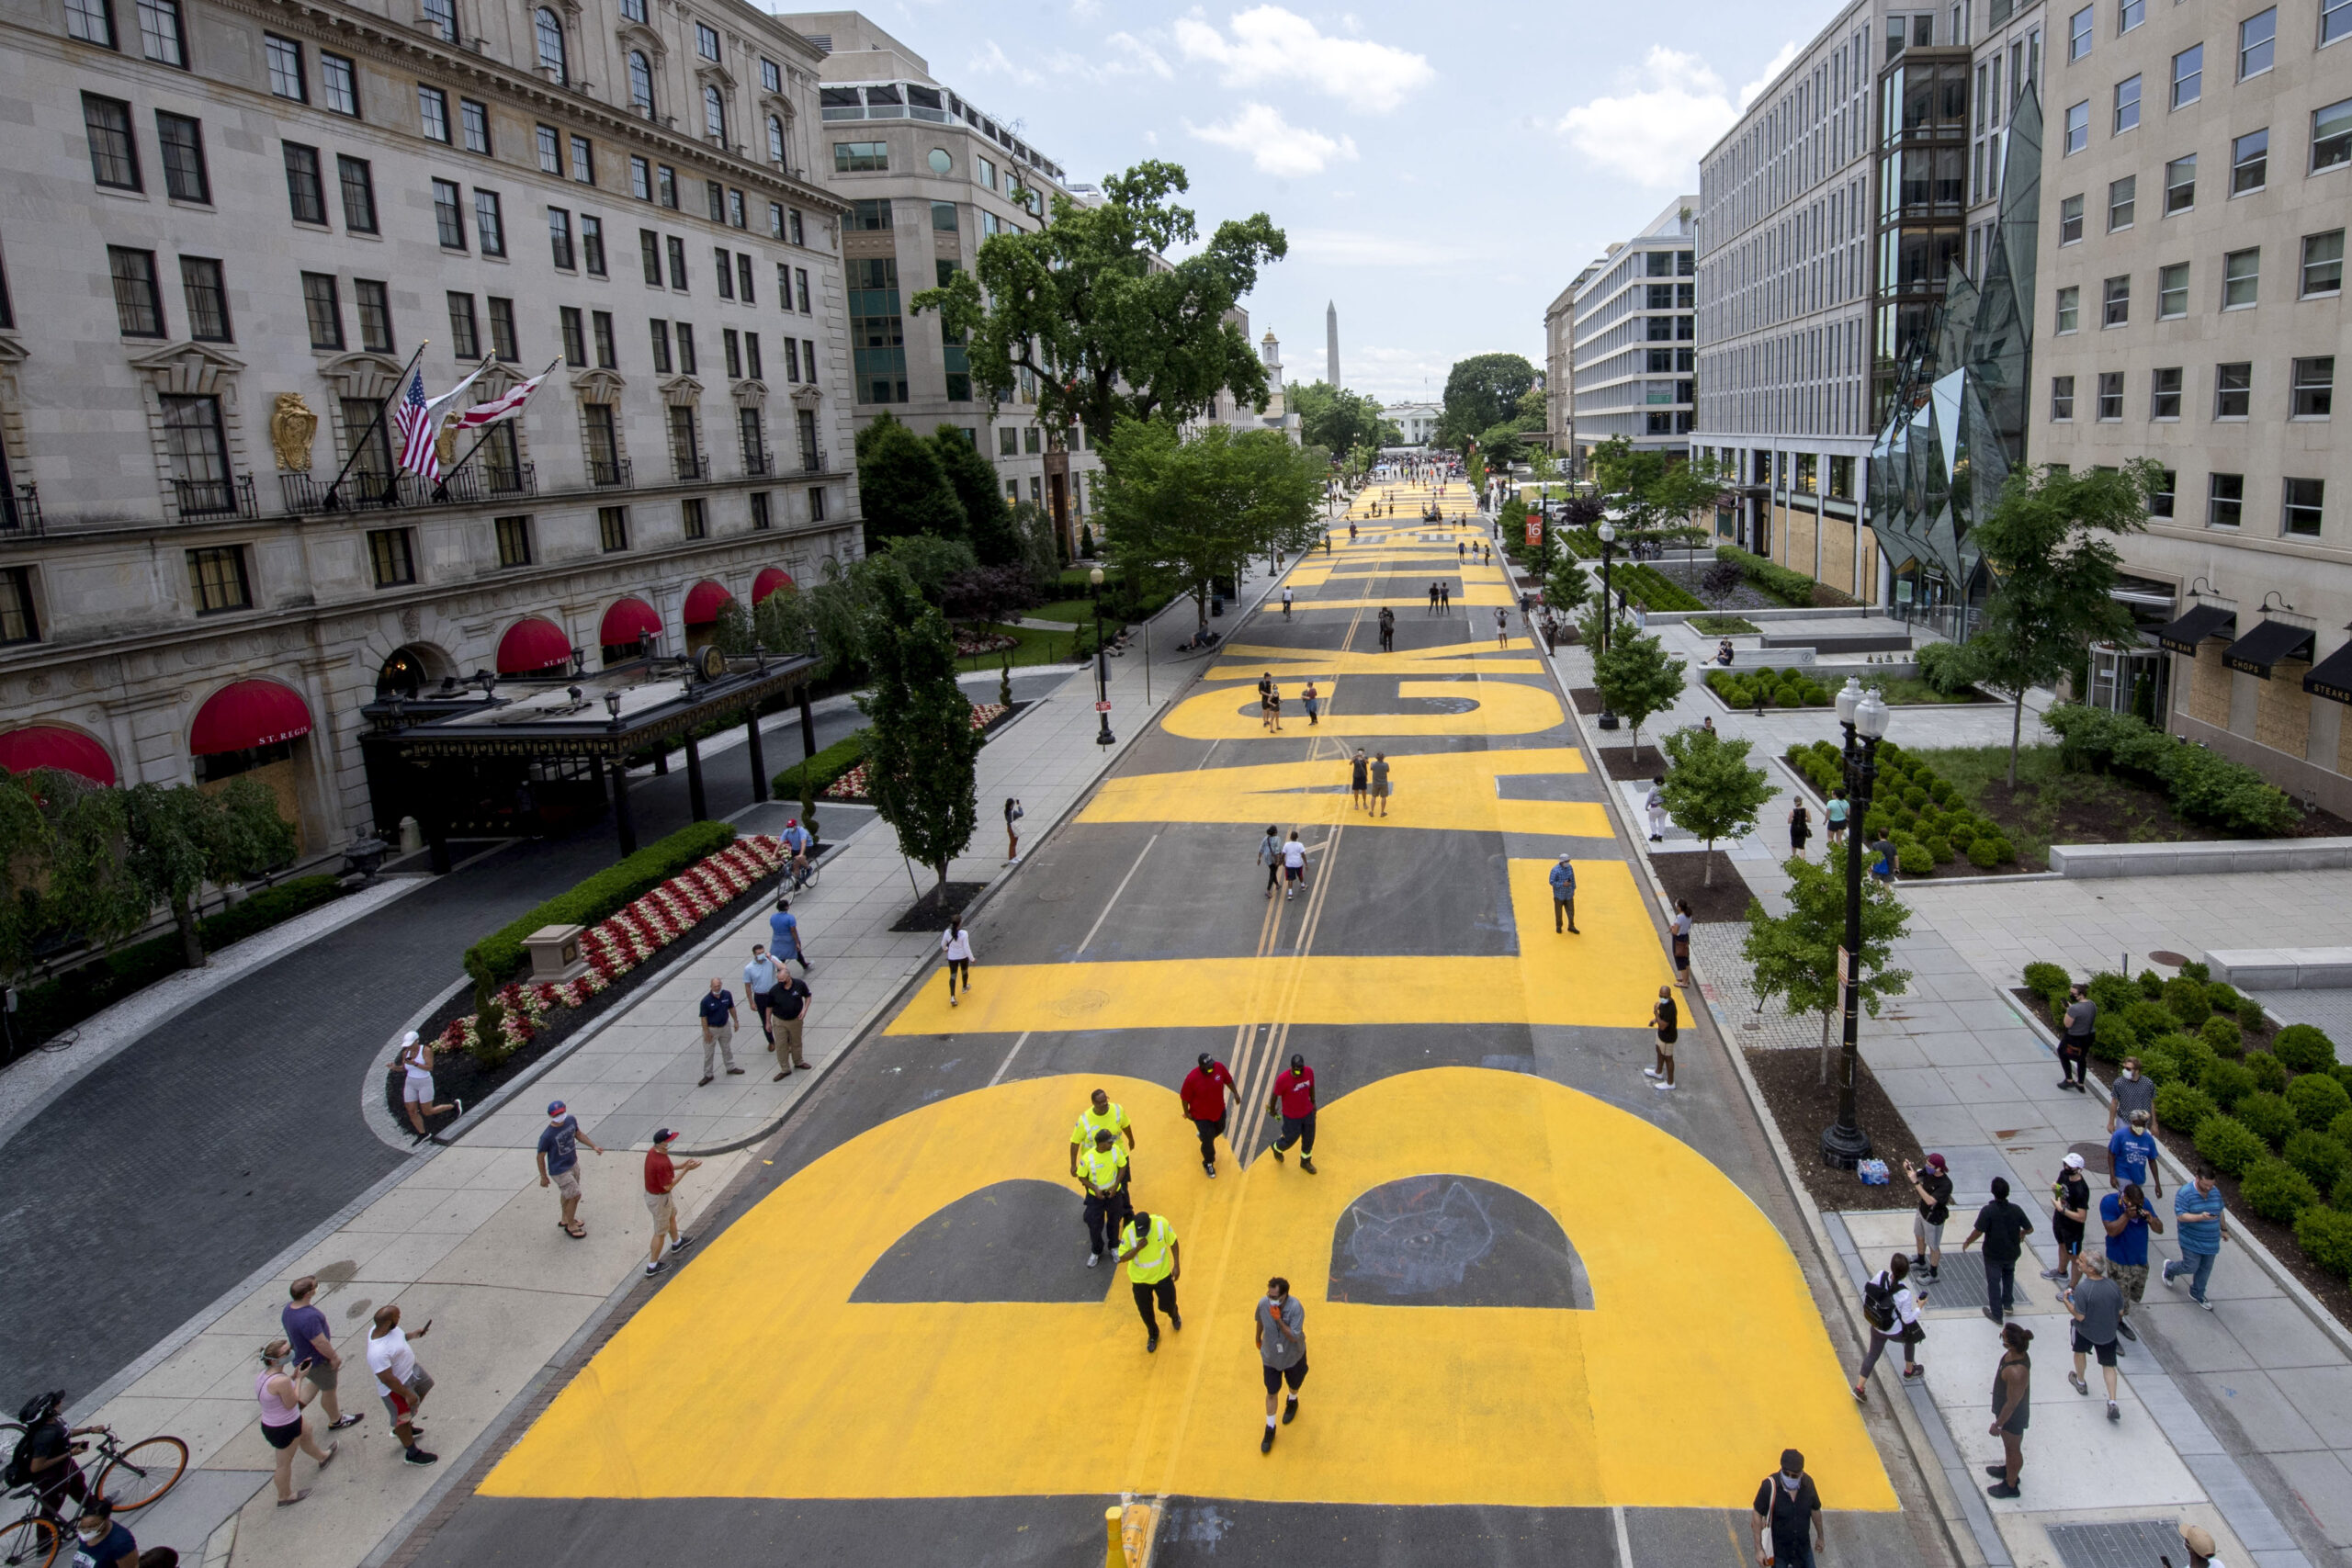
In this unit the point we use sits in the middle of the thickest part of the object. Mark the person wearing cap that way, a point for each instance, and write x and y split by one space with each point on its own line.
559 1162
415 1063
661 1177
1204 1094
2096 1306
1563 897
2132 1093
1933 1186
2070 1212
1101 1172
2197 1223
1788 1516
1147 1246
2128 1220
2132 1156
2198 1541
798 842
1293 1101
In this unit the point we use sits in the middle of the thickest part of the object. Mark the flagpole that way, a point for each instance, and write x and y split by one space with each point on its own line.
361 444
484 438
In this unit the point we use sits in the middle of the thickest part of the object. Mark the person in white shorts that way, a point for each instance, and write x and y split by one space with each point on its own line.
416 1061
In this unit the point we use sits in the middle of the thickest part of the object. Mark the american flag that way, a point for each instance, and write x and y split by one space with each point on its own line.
419 420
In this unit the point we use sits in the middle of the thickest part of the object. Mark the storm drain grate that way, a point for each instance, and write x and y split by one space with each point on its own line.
1963 1280
2133 1543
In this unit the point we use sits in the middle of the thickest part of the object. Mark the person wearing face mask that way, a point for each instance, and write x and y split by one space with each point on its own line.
2130 1097
1788 1516
99 1542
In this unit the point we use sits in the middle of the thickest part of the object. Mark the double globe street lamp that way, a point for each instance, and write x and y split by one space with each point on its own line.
1607 535
1101 666
1863 714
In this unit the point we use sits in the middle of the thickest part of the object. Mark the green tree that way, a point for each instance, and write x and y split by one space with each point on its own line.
1481 392
1339 419
1710 789
1041 549
1090 312
178 838
734 633
2047 543
932 562
1652 490
920 750
781 623
1637 678
64 842
988 521
1179 513
1794 957
1569 586
901 485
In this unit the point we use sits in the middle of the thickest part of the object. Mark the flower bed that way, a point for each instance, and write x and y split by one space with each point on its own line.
852 784
971 645
1929 822
621 942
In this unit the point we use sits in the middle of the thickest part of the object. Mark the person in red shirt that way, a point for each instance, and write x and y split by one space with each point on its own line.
1204 1093
1295 1101
662 1175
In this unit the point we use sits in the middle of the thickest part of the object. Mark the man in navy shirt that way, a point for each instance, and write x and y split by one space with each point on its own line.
559 1163
2127 1219
102 1543
717 1010
2132 1156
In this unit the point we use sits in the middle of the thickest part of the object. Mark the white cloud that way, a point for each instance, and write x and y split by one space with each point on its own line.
1270 44
1274 146
1673 108
994 61
1129 57
1376 248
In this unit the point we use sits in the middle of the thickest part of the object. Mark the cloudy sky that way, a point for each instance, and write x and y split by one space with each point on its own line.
1441 171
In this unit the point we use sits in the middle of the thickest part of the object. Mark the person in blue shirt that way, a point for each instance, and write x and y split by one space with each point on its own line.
2127 1220
2132 1156
798 842
1563 895
2197 1216
99 1542
784 938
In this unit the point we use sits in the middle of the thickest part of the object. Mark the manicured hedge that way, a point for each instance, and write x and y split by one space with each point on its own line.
1789 586
2326 1236
494 959
1789 688
1641 583
820 769
2277 1190
2203 786
1929 824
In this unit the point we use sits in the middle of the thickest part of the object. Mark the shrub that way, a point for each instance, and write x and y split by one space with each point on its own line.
1916 860
2150 1020
807 780
2250 1012
2222 1032
2326 1236
2222 997
2277 1190
1941 669
2203 786
1942 849
2197 1058
1983 854
2152 985
2004 851
2187 999
494 959
2304 1049
2182 1109
2226 1145
2341 1129
2112 1039
2196 970
2228 1082
2160 1063
2268 1075
2317 1100
2318 1157
2265 1115
2046 978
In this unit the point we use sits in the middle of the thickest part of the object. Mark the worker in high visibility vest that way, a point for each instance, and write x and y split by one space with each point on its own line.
1102 1114
1102 1172
1147 1246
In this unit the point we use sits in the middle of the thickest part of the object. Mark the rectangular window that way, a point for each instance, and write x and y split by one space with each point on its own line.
2187 76
2122 200
2332 136
392 557
2160 499
801 286
2250 162
2078 128
2323 264
502 342
2079 28
686 365
2232 390
706 41
2062 399
792 360
665 185
2180 185
640 178
633 10
513 535
575 336
751 356
677 249
2299 504
323 307
215 579
490 227
551 143
583 161
776 221
92 21
771 75
743 277
375 302
660 348
603 447
473 118
2257 41
440 17
731 342
943 217
726 274
138 301
715 197
985 172
2126 105
2240 278
465 339
114 155
861 157
182 140
162 32
284 59
2069 219
693 519
2164 393
761 520
2172 291
1008 442
612 528
592 245
450 214
685 442
206 293
340 84
817 504
304 189
877 338
17 622
2130 15
1029 441
2225 500
358 182
792 226
649 255
560 239
735 218
600 326
2335 20
2111 395
2313 390
2115 302
432 112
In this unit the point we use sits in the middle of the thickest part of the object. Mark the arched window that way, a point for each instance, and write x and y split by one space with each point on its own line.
640 83
551 30
714 113
775 139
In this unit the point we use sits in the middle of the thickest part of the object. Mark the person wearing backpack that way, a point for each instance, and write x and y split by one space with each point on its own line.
43 1458
1894 1314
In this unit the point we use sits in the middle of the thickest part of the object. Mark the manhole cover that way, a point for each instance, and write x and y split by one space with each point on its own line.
2130 1543
2168 958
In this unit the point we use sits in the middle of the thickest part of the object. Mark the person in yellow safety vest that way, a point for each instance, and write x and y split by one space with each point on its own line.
1101 1114
1104 1179
1147 1246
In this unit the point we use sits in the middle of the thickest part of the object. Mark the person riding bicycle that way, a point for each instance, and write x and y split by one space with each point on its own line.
44 1455
799 841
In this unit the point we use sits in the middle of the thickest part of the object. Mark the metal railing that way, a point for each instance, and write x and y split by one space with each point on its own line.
472 484
612 473
692 466
20 512
231 497
757 464
812 459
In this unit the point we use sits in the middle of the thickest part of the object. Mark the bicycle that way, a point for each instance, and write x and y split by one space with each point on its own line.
129 1477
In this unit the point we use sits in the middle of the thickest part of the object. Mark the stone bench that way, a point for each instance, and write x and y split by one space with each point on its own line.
2283 968
1763 659
1832 642
2204 857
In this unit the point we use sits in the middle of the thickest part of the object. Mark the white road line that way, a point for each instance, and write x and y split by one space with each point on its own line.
1005 1066
1114 895
1624 1547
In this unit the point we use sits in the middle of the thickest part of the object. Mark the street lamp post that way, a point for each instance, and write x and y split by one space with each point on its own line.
1101 666
1844 1144
1607 534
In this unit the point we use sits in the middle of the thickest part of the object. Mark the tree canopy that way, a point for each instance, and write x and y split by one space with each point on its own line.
1710 790
920 751
988 521
1092 314
902 486
1179 513
1651 488
1637 678
1794 957
1481 392
1338 420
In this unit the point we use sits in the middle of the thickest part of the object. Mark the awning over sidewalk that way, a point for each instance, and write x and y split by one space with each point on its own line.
2201 621
71 751
2265 644
246 715
2332 677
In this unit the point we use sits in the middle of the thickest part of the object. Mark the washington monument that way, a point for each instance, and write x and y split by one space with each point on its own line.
1331 342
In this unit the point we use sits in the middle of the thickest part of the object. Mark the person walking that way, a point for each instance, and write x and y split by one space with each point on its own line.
2132 1101
315 1358
1665 1017
415 1063
717 1010
1563 897
789 1004
956 946
1013 816
1800 829
2096 1306
1788 1516
1654 803
1286 601
1932 1186
2074 1045
2012 1409
1833 813
1388 629
282 1425
1679 928
1313 700
2003 1227
2128 1220
2132 1154
1281 1323
1380 781
105 1544
1882 859
2070 1212
661 1177
2196 1225
401 1383
1360 780
1270 847
1204 1094
559 1160
1102 1114
784 938
1503 628
1294 865
759 990
1293 1101
1154 1262
1101 1168
1893 1313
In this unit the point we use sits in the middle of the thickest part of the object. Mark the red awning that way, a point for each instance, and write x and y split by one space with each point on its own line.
703 601
627 621
770 580
247 714
533 645
46 745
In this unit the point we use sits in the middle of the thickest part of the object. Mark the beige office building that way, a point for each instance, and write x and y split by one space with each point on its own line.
2195 188
1632 335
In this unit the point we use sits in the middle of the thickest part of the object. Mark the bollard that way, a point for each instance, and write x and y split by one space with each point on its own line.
1115 1554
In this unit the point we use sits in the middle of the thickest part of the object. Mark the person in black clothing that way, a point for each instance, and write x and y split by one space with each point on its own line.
2074 1045
2012 1409
49 1448
1388 629
1788 1516
2003 1226
1933 1184
2070 1210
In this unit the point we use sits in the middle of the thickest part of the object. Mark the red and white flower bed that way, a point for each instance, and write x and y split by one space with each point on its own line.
626 939
970 644
852 785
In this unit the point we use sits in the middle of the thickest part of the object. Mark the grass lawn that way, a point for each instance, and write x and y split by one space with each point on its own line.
1721 626
1077 612
2051 805
1910 691
1036 648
